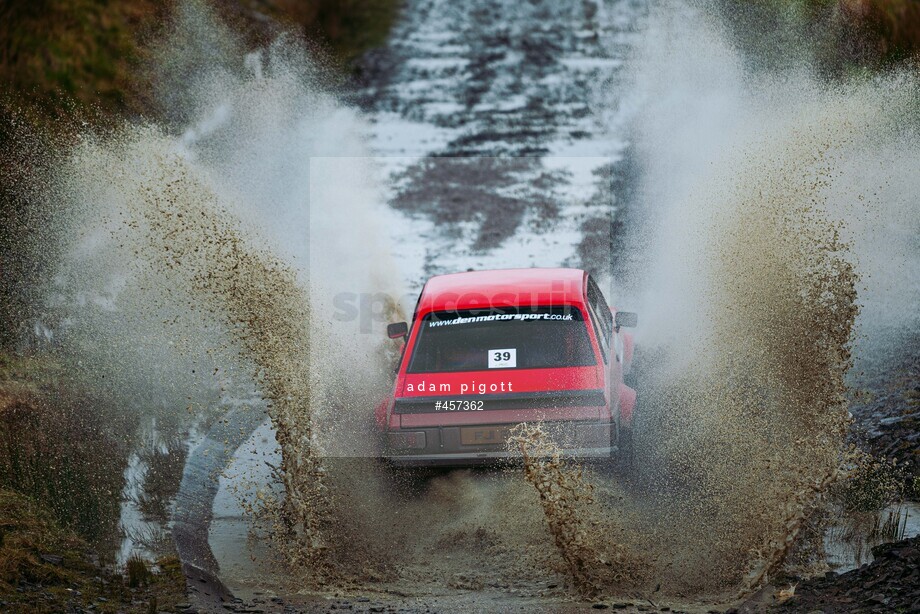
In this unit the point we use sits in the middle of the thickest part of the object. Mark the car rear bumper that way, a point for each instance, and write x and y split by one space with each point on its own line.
463 445
471 459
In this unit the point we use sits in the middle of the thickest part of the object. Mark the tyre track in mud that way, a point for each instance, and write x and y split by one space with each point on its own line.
500 143
505 124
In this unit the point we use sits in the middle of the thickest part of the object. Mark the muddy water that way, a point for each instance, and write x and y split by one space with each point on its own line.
745 412
502 199
500 142
181 236
849 541
185 236
761 257
589 537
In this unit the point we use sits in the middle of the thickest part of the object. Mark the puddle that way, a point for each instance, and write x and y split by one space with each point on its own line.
140 533
244 562
848 544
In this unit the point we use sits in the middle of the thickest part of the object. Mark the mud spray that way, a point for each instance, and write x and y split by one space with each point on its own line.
766 199
770 208
583 535
770 205
213 248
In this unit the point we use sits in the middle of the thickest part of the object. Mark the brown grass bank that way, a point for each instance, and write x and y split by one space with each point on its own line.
45 567
63 446
65 62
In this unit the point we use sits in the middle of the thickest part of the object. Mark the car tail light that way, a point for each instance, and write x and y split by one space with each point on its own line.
412 440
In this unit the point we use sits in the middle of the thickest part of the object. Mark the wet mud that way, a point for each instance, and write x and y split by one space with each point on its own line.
752 267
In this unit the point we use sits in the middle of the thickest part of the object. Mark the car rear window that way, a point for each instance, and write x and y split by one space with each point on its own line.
503 338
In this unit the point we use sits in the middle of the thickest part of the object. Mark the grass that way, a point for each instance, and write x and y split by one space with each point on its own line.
345 28
870 484
93 52
138 572
846 36
890 526
62 445
45 567
63 62
26 533
86 51
350 27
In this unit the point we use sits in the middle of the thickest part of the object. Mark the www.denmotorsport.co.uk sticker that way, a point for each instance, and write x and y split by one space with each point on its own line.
503 316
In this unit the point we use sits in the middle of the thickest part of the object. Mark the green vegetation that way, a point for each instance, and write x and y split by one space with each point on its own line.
138 572
57 52
351 26
26 533
58 56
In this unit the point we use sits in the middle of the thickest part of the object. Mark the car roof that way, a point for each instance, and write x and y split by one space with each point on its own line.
503 287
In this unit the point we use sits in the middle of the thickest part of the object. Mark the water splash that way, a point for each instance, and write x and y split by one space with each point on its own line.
762 226
210 259
597 564
217 251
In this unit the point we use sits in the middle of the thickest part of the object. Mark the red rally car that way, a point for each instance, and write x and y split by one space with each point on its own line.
490 349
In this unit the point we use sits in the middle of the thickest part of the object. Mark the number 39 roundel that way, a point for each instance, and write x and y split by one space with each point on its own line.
502 358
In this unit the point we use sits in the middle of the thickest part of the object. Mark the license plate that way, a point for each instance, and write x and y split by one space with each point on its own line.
484 435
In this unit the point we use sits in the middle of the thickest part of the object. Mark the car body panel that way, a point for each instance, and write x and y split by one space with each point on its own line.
505 287
573 400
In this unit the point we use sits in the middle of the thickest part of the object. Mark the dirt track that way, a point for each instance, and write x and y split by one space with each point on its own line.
503 117
499 118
